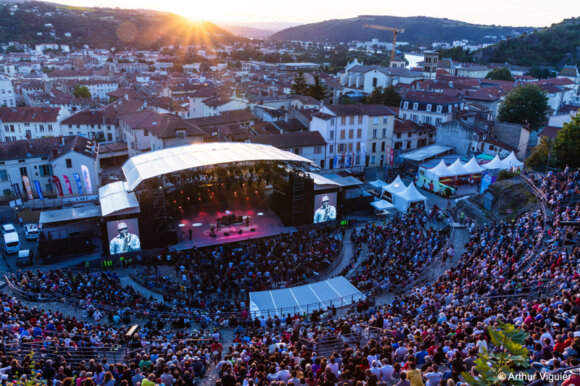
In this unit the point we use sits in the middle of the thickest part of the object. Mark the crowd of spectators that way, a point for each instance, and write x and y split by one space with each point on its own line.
520 271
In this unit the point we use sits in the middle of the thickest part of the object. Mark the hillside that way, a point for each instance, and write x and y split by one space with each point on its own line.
38 22
419 30
554 46
248 32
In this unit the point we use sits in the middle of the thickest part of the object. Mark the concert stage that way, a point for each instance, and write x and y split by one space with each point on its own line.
263 220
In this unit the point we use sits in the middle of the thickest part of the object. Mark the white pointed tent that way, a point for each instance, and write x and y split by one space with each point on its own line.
457 169
382 205
438 171
495 163
403 200
473 167
511 161
394 187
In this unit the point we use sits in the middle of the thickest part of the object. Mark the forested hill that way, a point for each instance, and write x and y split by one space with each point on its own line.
554 46
38 22
419 30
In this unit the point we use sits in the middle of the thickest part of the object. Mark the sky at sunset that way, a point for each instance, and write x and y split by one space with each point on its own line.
537 13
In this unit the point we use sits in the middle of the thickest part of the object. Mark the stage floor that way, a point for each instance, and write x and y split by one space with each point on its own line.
263 220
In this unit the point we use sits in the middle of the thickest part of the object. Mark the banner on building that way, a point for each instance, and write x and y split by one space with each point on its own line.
16 190
28 188
38 189
58 185
68 185
79 183
87 179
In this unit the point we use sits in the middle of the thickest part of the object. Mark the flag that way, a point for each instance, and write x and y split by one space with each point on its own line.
58 185
67 183
38 189
392 156
79 183
347 161
335 161
16 190
28 188
363 155
87 179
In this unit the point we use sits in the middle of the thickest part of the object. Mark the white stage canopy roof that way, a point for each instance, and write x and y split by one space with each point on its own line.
115 198
473 167
512 161
394 187
426 153
305 298
174 159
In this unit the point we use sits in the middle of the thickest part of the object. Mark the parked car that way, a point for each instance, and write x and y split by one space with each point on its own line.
7 228
25 258
31 232
10 243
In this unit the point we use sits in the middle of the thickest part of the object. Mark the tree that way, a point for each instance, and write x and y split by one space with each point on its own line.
567 144
388 96
541 153
525 105
500 74
317 90
299 85
540 73
82 92
511 354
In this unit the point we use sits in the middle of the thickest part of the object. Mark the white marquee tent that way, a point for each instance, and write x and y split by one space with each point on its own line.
394 187
382 205
378 184
404 199
495 163
435 173
305 298
458 169
473 167
511 161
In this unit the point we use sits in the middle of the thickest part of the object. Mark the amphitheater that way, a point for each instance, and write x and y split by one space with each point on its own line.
435 288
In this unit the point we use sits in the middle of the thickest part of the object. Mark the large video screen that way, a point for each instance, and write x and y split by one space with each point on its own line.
324 207
123 236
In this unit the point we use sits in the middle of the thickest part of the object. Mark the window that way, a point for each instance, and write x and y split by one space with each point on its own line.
342 134
351 134
45 170
341 147
385 120
374 83
359 133
68 163
383 146
415 106
398 135
409 134
414 117
406 105
12 128
331 135
343 120
350 147
23 171
41 128
450 108
3 175
331 149
358 147
427 119
439 109
180 134
404 116
109 137
49 127
408 145
374 147
318 149
384 132
374 133
360 119
297 150
398 145
375 120
438 120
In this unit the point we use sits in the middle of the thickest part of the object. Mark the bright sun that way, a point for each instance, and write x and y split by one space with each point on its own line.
196 11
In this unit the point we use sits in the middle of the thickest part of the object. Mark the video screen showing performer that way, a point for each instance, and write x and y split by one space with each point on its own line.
325 207
123 236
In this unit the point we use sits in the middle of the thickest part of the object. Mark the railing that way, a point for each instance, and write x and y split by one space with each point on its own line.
74 355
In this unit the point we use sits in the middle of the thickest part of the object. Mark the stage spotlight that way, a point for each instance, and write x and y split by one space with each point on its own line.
199 198
247 198
260 214
181 192
255 191
175 202
197 224
181 225
188 198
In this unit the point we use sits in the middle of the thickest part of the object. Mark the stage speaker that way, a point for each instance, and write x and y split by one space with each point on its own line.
252 229
226 234
240 231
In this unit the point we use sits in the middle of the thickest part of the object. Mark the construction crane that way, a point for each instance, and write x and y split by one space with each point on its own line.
394 30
